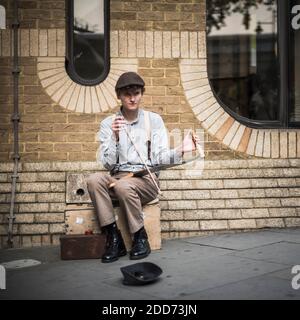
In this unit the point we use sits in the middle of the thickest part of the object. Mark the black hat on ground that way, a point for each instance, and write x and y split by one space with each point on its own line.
128 79
140 273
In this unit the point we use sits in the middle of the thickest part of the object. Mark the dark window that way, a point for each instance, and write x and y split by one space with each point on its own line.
248 54
87 60
294 114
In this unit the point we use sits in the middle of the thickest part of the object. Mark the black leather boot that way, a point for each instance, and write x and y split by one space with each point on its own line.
140 246
115 246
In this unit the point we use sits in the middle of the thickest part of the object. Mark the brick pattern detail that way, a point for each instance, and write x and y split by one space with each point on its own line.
188 15
229 195
39 207
34 42
79 98
158 44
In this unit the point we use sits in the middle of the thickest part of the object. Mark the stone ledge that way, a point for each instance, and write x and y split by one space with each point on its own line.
53 166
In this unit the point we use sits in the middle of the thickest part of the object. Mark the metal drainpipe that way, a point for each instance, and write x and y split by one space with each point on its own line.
15 119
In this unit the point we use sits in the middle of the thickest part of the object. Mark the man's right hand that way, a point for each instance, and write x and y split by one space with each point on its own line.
117 125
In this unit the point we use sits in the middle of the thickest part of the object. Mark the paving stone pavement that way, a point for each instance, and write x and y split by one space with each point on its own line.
246 266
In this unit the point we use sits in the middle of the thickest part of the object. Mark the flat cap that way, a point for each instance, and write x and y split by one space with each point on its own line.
141 273
129 79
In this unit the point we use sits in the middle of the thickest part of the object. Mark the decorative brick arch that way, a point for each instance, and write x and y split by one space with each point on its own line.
78 98
273 143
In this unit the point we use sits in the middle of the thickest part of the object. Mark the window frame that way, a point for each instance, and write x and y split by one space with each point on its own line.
69 63
284 85
3 11
289 61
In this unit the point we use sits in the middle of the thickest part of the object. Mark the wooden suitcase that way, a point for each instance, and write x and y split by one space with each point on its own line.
82 246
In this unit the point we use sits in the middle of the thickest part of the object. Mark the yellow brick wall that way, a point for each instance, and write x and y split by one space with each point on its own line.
49 132
171 15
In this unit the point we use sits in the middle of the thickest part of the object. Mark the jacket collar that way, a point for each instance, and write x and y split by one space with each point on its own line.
139 115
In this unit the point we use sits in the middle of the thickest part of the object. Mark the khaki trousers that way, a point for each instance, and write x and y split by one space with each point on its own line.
131 193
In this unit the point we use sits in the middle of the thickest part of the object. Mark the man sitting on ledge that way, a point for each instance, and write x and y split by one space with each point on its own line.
130 141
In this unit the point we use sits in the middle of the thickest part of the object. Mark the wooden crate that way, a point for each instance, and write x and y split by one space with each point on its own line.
80 218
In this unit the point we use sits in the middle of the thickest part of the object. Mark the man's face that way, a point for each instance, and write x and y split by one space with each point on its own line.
131 98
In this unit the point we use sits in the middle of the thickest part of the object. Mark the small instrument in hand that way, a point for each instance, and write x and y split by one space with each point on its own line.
160 167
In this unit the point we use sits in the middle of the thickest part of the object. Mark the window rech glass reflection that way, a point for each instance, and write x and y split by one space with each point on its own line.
242 48
88 52
2 17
